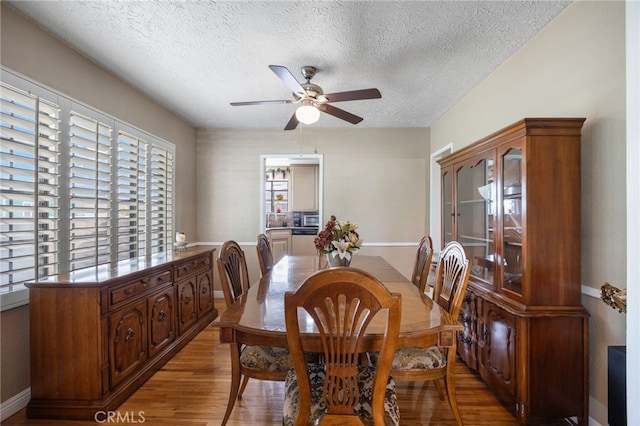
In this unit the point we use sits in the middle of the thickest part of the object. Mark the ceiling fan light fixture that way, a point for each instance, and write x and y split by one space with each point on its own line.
307 114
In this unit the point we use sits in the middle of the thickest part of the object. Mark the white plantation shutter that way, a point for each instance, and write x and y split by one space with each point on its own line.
161 199
29 187
132 196
116 182
89 192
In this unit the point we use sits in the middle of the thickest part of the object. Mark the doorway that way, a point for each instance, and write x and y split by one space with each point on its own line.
275 184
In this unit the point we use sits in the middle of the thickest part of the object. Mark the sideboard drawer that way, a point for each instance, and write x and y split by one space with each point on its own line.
202 263
133 288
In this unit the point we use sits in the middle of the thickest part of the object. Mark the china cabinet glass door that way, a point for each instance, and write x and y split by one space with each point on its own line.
475 213
512 230
447 206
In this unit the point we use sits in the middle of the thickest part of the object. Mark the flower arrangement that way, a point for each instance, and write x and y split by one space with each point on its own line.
338 239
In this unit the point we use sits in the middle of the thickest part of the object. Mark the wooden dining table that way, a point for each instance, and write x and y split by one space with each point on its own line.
257 318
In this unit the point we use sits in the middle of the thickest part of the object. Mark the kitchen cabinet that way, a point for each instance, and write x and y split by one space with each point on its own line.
97 334
280 241
512 200
304 187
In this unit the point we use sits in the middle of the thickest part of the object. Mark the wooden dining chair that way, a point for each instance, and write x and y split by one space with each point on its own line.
422 265
436 363
259 362
341 391
265 257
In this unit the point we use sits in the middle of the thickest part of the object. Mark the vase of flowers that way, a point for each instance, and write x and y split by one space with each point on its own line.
339 241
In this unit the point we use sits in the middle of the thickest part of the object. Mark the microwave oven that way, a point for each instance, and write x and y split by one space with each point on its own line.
311 220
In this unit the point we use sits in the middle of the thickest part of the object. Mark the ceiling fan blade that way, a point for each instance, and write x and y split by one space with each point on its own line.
261 102
293 123
285 75
340 113
353 95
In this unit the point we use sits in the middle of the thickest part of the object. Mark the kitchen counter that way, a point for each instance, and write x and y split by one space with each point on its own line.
293 228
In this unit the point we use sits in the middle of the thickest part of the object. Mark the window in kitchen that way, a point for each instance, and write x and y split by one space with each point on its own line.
276 197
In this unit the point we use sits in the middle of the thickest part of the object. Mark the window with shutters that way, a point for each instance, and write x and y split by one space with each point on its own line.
132 196
29 188
161 199
78 188
89 192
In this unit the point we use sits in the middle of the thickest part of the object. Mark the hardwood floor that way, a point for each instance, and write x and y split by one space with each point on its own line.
192 390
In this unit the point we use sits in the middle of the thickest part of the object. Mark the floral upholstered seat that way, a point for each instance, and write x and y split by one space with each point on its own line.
363 408
266 358
415 359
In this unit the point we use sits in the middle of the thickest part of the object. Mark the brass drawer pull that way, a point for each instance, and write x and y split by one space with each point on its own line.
131 334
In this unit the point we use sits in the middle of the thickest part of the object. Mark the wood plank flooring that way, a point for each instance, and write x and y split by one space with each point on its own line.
192 390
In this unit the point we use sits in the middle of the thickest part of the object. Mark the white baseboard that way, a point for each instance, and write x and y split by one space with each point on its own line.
14 404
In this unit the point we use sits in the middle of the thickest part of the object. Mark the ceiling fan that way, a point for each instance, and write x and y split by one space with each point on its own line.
312 99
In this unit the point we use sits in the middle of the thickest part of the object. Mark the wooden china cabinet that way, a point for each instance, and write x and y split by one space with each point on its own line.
99 333
512 200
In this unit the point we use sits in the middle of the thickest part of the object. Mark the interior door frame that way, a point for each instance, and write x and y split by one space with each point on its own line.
301 158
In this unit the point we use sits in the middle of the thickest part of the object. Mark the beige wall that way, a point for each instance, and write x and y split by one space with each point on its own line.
375 177
575 67
34 53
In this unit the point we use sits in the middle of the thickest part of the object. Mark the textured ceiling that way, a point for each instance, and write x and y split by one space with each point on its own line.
195 57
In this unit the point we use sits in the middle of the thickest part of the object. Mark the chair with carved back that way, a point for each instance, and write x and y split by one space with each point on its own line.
265 257
259 362
422 265
436 363
341 391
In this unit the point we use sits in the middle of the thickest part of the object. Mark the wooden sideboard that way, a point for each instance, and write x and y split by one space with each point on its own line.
99 333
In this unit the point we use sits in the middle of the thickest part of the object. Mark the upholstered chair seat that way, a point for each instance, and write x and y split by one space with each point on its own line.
365 379
415 359
267 358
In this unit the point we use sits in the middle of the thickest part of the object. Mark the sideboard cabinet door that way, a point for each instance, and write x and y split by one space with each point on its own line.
127 340
161 320
187 299
205 293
